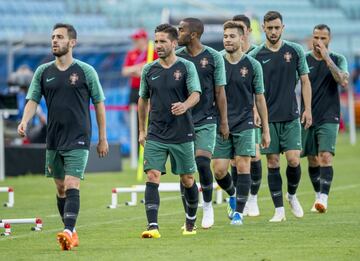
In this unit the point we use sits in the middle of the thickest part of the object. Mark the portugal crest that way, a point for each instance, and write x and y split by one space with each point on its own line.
177 75
204 61
244 71
73 78
287 57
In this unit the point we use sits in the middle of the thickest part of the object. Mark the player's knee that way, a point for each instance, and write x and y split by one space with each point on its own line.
325 158
187 180
220 173
153 176
313 161
60 190
293 162
273 162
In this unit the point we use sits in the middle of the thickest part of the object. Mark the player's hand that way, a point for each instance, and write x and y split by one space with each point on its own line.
142 138
257 119
224 130
22 129
178 108
306 119
102 148
323 50
265 139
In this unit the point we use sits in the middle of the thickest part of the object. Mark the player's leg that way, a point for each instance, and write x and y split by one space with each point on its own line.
327 134
314 173
183 163
233 171
155 155
252 207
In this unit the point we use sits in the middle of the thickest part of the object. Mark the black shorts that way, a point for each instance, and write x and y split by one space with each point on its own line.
134 96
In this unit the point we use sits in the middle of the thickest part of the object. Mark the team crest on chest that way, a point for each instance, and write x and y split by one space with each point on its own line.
204 61
73 78
244 71
287 57
177 75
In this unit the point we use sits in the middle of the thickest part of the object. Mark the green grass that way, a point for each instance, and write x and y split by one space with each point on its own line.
115 234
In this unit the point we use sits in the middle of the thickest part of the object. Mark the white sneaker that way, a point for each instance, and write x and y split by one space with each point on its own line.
317 197
321 203
279 215
246 209
253 208
208 215
296 208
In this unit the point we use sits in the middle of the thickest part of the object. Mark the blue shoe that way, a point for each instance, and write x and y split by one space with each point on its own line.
237 219
231 207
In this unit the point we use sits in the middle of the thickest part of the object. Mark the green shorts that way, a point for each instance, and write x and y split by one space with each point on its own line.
319 139
66 162
182 157
258 136
284 136
238 144
205 137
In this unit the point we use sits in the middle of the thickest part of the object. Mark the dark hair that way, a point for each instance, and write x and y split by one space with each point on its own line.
195 25
234 24
322 27
242 18
70 29
272 15
169 29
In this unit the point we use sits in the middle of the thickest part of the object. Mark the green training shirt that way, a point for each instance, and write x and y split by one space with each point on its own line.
67 95
165 86
281 70
211 70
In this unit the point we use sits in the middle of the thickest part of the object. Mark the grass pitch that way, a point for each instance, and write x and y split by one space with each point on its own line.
114 234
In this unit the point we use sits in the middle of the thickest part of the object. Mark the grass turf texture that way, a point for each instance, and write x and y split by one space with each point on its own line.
114 234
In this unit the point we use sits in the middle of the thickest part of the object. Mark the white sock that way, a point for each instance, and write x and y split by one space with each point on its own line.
324 197
280 210
68 231
207 204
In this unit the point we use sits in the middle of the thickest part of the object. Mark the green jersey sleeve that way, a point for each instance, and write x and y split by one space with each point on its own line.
34 92
341 62
219 73
93 82
192 78
144 89
258 80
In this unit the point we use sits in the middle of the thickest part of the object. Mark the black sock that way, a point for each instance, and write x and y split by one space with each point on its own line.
326 176
152 203
255 170
275 186
242 191
314 173
182 191
234 174
192 200
226 184
61 205
71 208
293 175
206 177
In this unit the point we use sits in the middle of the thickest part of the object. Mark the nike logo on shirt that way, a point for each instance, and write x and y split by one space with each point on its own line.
311 67
265 61
155 77
50 79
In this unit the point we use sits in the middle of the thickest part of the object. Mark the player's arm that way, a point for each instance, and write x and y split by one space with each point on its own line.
29 112
103 146
341 76
263 113
143 102
220 98
179 108
306 117
257 118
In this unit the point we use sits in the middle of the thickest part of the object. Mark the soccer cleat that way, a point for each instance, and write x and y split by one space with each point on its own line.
189 230
237 219
313 208
253 208
231 207
208 216
279 215
296 208
183 227
321 204
151 233
75 239
65 240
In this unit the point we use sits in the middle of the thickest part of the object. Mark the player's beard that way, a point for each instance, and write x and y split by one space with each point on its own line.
62 51
273 41
233 49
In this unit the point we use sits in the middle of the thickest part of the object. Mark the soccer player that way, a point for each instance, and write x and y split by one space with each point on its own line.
172 85
244 80
251 207
211 70
67 85
327 71
283 62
